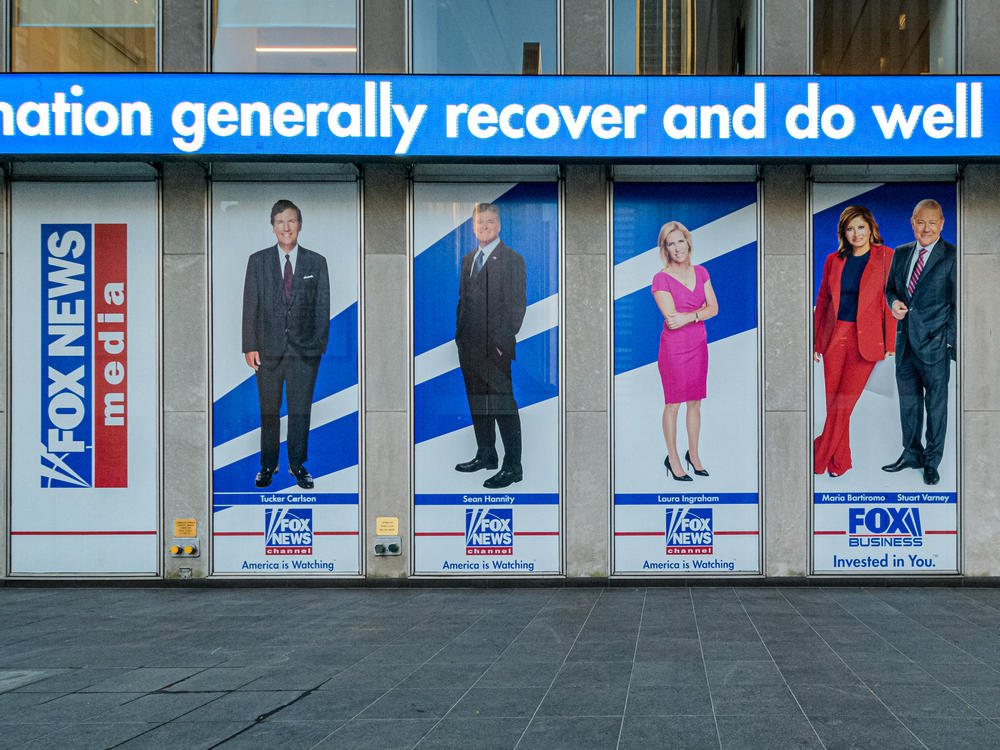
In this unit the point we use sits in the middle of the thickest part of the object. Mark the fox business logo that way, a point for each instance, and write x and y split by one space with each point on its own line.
288 531
689 531
884 527
489 531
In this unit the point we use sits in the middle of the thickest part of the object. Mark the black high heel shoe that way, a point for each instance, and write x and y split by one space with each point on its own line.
699 472
681 478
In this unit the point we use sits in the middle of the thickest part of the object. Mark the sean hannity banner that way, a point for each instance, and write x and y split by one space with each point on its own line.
486 378
482 117
84 344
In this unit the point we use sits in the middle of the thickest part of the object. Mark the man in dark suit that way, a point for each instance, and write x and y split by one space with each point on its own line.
920 291
491 306
286 323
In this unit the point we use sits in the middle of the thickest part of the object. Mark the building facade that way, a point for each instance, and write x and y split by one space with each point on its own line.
394 230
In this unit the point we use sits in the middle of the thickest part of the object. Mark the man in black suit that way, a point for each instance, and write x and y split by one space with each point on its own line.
491 306
920 291
286 323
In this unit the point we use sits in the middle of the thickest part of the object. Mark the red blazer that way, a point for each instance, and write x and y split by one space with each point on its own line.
876 326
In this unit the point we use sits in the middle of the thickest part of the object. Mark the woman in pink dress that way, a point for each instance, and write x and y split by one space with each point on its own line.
684 294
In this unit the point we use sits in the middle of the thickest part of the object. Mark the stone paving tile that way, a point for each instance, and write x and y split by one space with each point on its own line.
366 734
193 735
688 732
270 734
142 680
591 732
852 733
956 734
788 732
498 702
482 733
97 735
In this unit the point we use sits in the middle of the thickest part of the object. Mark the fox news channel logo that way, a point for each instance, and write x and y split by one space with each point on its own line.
84 325
288 531
689 531
489 531
884 527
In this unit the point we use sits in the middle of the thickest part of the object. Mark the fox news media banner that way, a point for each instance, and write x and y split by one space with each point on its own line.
868 521
282 528
84 273
709 525
486 410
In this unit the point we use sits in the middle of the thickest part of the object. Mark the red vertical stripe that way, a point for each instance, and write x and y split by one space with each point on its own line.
110 356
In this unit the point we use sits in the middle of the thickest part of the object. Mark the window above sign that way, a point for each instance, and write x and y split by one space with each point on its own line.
685 37
293 36
485 36
83 36
885 37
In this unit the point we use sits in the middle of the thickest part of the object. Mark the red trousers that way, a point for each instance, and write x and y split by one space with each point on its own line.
845 373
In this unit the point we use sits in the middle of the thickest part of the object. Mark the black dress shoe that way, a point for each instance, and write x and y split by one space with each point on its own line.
931 475
506 476
479 462
263 478
902 463
302 477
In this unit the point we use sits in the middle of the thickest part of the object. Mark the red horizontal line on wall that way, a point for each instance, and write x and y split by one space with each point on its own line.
640 533
817 533
335 533
941 532
536 533
734 533
82 533
238 533
439 533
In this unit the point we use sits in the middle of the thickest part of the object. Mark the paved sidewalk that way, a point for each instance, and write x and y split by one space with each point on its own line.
704 667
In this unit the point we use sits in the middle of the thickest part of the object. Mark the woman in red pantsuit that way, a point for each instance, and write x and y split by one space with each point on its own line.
853 329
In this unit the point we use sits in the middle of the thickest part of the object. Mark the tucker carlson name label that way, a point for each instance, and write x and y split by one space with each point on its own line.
84 394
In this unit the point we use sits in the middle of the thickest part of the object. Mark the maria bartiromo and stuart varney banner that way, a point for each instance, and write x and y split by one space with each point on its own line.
486 374
885 342
686 378
84 378
285 378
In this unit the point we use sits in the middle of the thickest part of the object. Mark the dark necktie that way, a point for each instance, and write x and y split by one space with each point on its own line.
478 265
288 279
916 272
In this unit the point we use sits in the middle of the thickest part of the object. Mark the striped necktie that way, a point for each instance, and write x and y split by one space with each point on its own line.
916 272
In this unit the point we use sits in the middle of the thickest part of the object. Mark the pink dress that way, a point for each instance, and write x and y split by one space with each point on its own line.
683 359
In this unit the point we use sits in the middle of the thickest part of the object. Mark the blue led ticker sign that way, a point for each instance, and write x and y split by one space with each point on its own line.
938 118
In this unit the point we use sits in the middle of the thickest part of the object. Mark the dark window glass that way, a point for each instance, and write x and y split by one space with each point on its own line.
484 36
889 37
291 36
700 37
83 35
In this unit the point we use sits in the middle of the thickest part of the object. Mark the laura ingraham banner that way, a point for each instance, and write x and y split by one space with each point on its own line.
686 417
285 378
885 346
486 369
84 499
